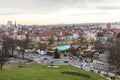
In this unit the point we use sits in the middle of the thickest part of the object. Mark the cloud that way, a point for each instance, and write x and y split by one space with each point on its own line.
38 6
108 7
100 13
49 6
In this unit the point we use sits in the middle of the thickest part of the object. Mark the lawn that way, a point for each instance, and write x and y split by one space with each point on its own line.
117 79
41 72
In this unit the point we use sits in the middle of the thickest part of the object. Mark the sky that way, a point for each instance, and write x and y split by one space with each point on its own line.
59 11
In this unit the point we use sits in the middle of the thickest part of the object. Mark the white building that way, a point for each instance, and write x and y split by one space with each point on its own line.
9 24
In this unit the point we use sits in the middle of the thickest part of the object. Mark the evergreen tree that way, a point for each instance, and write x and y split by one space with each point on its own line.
56 54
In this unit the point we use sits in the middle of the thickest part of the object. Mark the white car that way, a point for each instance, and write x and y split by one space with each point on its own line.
42 52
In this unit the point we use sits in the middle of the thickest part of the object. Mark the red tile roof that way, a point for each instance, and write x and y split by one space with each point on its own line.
46 33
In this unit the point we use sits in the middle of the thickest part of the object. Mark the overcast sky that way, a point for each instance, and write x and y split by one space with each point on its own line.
59 11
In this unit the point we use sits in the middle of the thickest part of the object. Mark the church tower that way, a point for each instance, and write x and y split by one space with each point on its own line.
15 31
15 27
108 25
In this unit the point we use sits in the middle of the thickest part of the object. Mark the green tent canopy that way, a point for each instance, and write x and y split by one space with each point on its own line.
63 48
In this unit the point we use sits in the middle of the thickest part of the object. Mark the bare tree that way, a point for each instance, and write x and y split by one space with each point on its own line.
73 51
11 46
51 40
2 59
4 52
24 45
82 42
114 54
42 46
98 45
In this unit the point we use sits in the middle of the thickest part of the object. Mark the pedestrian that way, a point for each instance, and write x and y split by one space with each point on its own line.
81 66
52 63
99 71
42 61
91 60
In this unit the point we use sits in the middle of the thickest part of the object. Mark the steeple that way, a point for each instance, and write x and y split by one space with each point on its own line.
15 31
15 27
15 24
73 25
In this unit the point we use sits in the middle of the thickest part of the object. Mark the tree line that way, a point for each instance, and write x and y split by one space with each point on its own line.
8 46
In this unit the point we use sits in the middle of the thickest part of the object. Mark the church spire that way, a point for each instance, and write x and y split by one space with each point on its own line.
15 24
73 25
15 27
15 31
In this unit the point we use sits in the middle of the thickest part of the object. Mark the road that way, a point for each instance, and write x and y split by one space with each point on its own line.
45 59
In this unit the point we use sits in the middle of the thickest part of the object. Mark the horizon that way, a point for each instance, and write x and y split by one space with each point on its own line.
13 22
47 12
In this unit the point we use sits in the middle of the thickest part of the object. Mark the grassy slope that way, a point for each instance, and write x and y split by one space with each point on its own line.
117 78
41 72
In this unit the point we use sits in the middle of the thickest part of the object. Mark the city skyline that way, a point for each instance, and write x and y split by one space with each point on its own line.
56 12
